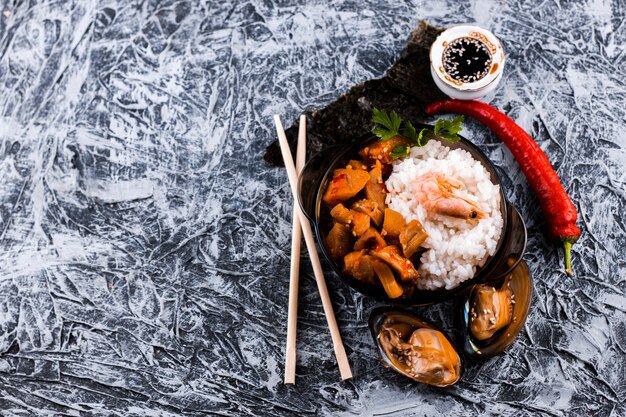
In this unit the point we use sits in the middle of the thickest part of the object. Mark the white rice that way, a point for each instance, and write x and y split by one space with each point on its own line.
455 247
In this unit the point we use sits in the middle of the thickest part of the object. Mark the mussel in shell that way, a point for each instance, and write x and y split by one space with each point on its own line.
414 348
490 310
495 312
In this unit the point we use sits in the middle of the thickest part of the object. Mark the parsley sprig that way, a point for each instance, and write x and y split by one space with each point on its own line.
390 125
444 129
400 152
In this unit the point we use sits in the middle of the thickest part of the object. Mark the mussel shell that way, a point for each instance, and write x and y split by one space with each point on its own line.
379 315
521 284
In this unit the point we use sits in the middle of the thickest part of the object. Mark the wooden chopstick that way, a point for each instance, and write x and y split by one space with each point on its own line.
340 352
294 277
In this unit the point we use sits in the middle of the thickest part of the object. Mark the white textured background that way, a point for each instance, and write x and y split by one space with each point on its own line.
145 242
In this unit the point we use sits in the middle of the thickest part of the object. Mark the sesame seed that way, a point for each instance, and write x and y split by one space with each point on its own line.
475 61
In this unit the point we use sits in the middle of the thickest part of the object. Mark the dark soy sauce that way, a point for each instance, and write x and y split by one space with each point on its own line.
466 60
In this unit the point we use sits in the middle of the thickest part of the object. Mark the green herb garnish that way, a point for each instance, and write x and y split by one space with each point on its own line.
444 130
390 125
409 132
400 152
448 129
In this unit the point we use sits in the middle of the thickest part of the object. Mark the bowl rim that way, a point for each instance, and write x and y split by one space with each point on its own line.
419 297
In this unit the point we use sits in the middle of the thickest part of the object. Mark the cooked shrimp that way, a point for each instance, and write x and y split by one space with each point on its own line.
435 192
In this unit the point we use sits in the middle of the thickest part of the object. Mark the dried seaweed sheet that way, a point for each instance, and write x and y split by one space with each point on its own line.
407 88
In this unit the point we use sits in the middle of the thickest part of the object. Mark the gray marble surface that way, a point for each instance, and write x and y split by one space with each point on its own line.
145 242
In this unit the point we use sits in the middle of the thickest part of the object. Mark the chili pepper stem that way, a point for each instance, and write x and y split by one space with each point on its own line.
567 246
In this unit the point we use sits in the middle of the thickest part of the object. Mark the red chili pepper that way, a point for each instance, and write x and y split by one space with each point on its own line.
556 205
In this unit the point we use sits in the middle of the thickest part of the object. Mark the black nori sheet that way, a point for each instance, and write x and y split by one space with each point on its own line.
407 88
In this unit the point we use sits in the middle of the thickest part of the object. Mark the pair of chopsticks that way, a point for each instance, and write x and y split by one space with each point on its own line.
301 223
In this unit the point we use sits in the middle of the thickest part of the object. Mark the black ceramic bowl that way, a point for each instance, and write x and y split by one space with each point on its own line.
318 172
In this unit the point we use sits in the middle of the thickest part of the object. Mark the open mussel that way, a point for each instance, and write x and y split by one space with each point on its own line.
495 312
491 309
414 348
